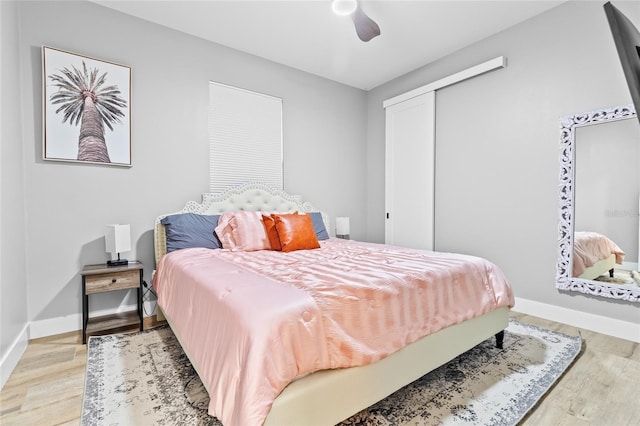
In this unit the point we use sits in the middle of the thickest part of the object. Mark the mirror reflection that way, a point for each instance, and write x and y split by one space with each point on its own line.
607 194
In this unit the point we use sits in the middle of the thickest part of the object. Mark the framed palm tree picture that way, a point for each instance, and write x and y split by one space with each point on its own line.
87 104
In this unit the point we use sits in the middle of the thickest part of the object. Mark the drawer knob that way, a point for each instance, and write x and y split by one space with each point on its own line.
113 280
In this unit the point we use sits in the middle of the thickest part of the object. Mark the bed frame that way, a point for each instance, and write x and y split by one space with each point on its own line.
330 396
599 268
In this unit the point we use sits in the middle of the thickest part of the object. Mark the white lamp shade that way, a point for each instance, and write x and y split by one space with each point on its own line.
342 226
117 238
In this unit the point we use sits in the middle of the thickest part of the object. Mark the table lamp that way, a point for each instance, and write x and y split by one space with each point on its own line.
117 239
342 227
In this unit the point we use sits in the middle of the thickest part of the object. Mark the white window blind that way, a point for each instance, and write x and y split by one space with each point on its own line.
245 137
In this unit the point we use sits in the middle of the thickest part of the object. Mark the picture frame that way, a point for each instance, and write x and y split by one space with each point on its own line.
86 109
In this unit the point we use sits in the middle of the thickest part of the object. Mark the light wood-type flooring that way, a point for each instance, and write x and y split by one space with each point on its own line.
601 388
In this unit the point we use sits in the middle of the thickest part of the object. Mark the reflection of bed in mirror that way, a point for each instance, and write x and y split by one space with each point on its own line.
600 268
594 254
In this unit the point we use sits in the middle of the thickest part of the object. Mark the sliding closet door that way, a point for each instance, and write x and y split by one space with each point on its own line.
409 172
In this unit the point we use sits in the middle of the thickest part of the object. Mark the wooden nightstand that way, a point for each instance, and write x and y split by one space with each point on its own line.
102 278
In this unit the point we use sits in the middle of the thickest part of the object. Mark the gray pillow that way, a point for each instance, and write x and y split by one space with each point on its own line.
318 226
188 230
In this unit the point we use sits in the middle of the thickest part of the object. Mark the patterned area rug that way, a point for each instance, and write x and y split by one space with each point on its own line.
621 277
145 378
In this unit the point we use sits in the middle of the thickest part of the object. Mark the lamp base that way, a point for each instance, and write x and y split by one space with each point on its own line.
117 262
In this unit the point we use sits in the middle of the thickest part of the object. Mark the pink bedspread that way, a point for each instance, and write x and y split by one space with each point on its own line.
254 321
590 247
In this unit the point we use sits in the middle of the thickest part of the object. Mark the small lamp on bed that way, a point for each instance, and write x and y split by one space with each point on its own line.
342 227
117 239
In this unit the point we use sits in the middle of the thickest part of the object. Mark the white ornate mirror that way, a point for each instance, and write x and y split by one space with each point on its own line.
615 213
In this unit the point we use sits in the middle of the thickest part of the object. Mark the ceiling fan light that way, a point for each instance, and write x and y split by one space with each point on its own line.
344 7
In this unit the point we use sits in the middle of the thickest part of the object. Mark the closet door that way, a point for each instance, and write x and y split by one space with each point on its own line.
409 172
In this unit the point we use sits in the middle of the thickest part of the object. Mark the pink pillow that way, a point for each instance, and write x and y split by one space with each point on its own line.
224 232
242 231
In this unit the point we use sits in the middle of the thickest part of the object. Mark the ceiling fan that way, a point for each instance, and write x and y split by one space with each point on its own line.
366 28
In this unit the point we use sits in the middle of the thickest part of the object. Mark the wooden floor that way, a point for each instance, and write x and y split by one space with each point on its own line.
601 388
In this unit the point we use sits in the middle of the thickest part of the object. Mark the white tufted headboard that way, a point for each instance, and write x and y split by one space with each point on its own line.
251 196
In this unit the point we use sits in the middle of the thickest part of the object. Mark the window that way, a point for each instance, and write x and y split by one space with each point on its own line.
245 137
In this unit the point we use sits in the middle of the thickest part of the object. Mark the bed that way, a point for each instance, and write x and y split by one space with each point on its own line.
594 254
229 310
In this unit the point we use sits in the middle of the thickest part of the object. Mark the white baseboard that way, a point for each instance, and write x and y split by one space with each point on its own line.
52 326
59 325
609 326
13 355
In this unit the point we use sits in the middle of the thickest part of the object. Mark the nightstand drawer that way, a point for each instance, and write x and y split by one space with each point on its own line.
112 281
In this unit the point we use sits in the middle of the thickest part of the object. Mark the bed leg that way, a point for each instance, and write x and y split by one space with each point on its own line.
499 339
611 272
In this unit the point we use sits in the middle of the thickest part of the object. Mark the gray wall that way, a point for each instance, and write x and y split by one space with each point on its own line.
67 204
497 144
13 275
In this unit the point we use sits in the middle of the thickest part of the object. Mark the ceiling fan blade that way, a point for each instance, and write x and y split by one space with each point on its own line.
366 28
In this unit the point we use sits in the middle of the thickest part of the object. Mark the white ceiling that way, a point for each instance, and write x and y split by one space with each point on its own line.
305 34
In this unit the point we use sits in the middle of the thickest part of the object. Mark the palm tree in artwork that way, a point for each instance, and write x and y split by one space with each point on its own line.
82 95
